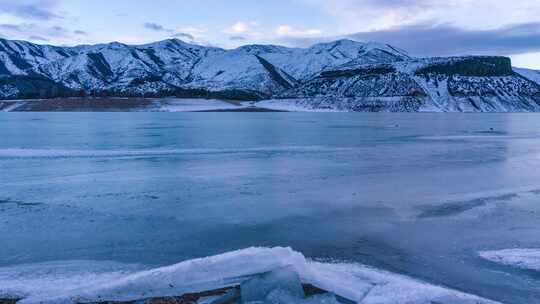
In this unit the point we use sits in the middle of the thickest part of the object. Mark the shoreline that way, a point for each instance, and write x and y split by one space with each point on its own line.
225 295
252 275
123 104
193 105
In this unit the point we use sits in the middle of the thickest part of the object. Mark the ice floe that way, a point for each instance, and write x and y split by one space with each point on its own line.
520 258
101 281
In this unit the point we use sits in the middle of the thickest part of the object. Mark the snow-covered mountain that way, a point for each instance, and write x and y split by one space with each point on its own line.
455 84
340 75
533 75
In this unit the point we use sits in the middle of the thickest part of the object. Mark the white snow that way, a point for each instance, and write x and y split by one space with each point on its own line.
194 105
78 282
45 280
7 91
533 75
12 107
291 105
520 258
305 63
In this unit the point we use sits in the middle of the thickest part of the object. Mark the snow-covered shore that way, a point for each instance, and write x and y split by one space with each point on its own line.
85 282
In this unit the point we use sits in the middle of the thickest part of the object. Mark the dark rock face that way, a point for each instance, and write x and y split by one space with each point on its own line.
274 73
366 71
99 66
26 87
367 83
469 66
225 296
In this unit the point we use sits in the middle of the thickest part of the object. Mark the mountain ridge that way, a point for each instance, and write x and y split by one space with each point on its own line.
343 74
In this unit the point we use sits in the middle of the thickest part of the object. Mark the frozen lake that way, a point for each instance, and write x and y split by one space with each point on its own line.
415 194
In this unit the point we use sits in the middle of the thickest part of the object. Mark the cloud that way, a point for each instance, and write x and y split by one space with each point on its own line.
58 28
33 31
57 31
369 15
189 33
193 30
184 35
237 38
376 14
445 39
38 38
15 27
79 32
286 30
30 9
241 27
157 27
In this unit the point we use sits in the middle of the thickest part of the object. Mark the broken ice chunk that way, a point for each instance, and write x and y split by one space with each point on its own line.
280 297
283 282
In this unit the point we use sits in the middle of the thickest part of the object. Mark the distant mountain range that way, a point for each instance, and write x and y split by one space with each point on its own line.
341 75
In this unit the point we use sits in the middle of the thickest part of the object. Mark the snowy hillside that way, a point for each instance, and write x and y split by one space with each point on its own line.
456 84
343 75
529 74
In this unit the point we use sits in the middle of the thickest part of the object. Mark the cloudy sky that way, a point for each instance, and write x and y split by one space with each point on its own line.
423 27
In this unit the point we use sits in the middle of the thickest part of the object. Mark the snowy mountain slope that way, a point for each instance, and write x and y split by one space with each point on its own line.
272 69
242 68
476 84
112 67
532 75
19 57
341 75
306 63
462 84
118 67
172 65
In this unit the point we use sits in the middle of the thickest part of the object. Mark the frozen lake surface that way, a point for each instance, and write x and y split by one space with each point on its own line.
422 195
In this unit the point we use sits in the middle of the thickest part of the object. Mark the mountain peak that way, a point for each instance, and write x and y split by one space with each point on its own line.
165 42
349 45
343 68
256 49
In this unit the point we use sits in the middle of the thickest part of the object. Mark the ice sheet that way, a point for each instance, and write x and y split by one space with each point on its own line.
87 282
520 258
67 153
